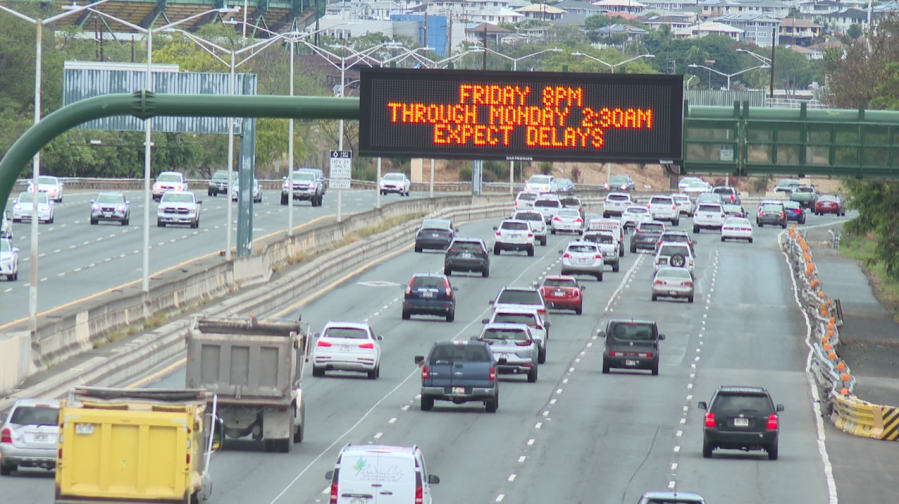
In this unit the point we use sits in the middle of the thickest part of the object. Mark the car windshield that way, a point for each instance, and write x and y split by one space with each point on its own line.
110 198
734 404
618 179
444 354
618 197
5 246
394 176
539 179
651 227
28 198
504 334
303 176
571 214
547 203
514 226
670 250
346 332
469 246
637 210
582 249
516 318
168 177
171 197
428 282
571 202
33 415
519 297
634 331
47 180
681 273
558 282
529 216
220 175
436 224
710 208
529 196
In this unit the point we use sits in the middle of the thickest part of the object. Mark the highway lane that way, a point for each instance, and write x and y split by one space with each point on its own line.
77 259
575 435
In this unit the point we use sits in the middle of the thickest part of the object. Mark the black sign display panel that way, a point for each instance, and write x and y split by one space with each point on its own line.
553 116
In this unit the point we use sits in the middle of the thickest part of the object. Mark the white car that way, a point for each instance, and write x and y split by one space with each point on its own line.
50 185
535 218
181 208
529 316
663 208
22 209
634 215
5 225
347 346
548 205
583 258
257 191
608 246
613 225
540 184
615 203
708 216
525 200
686 181
395 474
675 254
696 187
684 204
736 228
397 183
168 181
514 235
567 220
9 260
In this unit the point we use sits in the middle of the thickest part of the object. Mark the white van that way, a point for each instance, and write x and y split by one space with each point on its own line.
380 474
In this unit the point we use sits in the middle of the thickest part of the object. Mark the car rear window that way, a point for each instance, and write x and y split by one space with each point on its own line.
346 332
599 238
529 216
633 331
710 208
552 282
527 196
547 203
569 213
734 404
723 190
681 273
33 415
772 208
661 200
582 249
803 189
519 297
470 246
516 318
570 202
670 250
505 334
618 197
652 227
444 354
636 210
428 282
514 226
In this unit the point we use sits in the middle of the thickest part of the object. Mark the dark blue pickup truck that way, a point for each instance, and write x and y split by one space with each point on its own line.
459 371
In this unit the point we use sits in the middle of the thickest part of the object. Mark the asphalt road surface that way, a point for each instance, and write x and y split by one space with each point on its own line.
77 259
575 435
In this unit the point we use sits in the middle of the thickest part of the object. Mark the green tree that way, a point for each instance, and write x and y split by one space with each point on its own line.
857 72
854 31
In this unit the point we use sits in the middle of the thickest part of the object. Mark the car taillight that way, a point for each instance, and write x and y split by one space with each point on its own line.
674 207
370 345
522 343
687 284
578 220
499 233
6 436
177 187
493 374
409 287
710 419
449 290
598 256
323 343
425 373
798 210
530 235
772 422
333 493
659 282
732 198
616 354
645 355
557 218
516 203
542 312
783 215
566 255
419 495
187 459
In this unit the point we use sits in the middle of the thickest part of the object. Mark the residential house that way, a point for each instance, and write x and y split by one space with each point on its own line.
811 54
666 7
758 29
841 21
677 22
813 9
495 15
623 6
616 30
713 9
541 12
799 32
578 19
494 34
711 28
579 7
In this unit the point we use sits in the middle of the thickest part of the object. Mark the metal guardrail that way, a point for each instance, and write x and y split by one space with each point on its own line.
832 373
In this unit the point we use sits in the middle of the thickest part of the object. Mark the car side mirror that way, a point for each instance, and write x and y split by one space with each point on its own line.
583 288
199 202
484 321
455 288
15 250
379 337
702 405
494 228
601 334
780 407
473 338
92 201
661 337
548 324
317 335
561 252
490 302
433 479
329 475
419 359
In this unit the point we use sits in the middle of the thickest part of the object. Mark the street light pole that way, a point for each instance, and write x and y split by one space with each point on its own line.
290 148
228 211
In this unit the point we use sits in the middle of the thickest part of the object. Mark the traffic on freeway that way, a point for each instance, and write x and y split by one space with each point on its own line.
575 433
94 258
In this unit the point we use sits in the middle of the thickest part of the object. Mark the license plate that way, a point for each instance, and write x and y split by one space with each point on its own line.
107 214
458 390
466 255
741 422
630 363
515 235
559 293
663 261
345 348
427 294
358 500
84 428
40 437
435 235
582 261
672 292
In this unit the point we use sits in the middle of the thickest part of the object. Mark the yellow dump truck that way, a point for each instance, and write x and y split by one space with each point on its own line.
133 446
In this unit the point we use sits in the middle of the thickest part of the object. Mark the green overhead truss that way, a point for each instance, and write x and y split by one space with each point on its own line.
743 140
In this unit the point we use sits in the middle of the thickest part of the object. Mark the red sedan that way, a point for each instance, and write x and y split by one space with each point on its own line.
829 203
562 292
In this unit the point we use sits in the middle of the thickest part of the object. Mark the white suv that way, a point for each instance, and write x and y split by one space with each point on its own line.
548 206
674 254
615 204
535 218
664 208
608 246
708 216
514 235
525 200
396 473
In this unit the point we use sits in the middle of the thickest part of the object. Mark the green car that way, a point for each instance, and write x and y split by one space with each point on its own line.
806 196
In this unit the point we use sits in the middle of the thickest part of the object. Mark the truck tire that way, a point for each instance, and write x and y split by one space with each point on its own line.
7 469
616 267
427 403
373 374
493 404
284 445
283 199
541 355
298 434
532 375
318 372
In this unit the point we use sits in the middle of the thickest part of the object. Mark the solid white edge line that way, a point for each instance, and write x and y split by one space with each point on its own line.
813 387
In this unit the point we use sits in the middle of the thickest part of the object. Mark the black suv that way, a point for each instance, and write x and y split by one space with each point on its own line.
467 254
631 344
459 371
434 234
740 418
430 294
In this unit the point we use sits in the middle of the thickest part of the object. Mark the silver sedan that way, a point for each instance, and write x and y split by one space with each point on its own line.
567 219
9 260
672 282
514 347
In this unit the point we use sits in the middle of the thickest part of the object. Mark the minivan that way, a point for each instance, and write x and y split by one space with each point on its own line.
380 474
631 344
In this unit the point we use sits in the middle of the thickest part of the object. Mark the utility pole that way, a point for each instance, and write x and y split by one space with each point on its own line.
773 50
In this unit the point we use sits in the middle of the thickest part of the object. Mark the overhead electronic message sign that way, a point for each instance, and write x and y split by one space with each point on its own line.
521 115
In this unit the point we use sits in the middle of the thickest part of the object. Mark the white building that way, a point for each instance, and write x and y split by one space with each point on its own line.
626 6
711 28
758 29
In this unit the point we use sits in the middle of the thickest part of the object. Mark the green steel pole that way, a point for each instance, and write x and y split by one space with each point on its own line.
144 105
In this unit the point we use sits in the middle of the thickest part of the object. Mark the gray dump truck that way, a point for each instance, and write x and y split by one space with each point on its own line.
254 369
